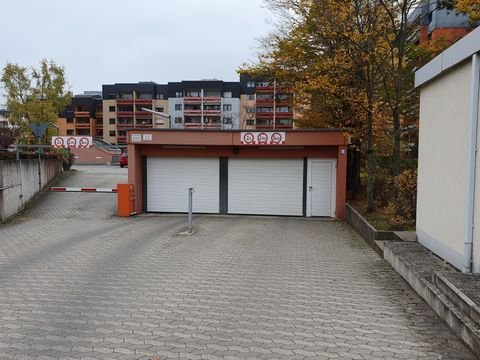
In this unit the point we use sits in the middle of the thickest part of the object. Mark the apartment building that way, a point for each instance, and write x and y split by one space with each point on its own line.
204 104
265 104
129 105
437 22
83 116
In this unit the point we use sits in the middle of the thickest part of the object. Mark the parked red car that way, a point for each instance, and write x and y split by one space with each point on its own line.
124 159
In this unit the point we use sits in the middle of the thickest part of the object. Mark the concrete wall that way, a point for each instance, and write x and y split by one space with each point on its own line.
442 174
21 181
96 155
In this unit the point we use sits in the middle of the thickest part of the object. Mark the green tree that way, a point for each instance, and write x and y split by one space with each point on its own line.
35 95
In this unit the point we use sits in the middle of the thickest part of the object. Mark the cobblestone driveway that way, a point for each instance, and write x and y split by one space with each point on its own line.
76 282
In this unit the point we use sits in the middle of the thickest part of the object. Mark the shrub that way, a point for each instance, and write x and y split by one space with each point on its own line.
66 156
404 205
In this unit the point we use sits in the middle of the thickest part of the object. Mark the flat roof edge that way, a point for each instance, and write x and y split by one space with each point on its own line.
454 55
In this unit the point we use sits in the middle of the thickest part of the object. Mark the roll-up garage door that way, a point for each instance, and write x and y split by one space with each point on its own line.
265 186
168 180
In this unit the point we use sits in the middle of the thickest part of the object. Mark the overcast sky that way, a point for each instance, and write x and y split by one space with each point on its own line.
108 41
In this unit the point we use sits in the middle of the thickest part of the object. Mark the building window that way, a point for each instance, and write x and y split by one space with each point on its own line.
227 120
193 93
178 94
70 132
111 121
178 107
111 108
159 109
112 132
250 110
178 120
69 120
283 109
250 122
227 94
251 97
227 107
250 84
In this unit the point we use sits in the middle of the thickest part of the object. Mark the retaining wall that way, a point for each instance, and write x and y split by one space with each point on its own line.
21 180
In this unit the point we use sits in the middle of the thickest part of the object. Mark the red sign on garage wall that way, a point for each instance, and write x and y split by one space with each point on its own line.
263 138
74 142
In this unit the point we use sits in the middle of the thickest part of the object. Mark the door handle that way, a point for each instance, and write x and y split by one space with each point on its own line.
310 188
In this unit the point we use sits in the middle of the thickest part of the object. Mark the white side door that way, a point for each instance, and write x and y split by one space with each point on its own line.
321 187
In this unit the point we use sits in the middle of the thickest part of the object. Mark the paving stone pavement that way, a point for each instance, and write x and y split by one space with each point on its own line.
78 283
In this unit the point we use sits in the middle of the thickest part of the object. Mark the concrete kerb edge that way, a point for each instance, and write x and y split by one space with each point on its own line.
374 236
461 325
445 286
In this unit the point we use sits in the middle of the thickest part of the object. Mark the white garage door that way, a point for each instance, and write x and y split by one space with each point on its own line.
265 186
168 180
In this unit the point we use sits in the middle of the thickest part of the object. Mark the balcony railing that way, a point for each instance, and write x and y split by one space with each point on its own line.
121 139
212 99
192 112
270 127
143 114
143 101
125 113
212 112
146 126
124 101
82 113
205 126
124 125
82 125
278 115
192 100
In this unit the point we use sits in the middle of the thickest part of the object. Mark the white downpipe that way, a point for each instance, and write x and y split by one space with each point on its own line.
472 160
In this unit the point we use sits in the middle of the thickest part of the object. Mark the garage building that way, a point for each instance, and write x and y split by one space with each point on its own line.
290 173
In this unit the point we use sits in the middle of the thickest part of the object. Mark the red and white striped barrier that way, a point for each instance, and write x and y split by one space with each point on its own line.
89 190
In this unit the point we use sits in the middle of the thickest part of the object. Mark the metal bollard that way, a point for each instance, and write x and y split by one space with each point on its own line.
190 205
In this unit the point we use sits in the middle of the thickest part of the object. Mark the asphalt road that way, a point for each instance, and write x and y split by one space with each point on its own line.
78 282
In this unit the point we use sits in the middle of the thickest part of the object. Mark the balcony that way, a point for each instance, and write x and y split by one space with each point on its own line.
82 125
121 139
144 126
264 101
124 125
143 114
99 115
212 112
124 113
278 115
124 101
143 101
192 112
270 127
192 100
205 126
80 114
212 100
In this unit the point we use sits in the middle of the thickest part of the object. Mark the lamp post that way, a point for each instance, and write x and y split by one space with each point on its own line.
165 116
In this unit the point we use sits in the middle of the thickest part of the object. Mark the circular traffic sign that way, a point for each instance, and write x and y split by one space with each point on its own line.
248 138
58 142
83 142
262 138
71 142
276 138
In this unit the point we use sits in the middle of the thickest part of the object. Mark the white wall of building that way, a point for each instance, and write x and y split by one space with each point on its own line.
234 114
443 149
175 113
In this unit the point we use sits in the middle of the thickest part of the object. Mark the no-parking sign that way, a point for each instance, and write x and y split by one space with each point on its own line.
263 138
73 142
